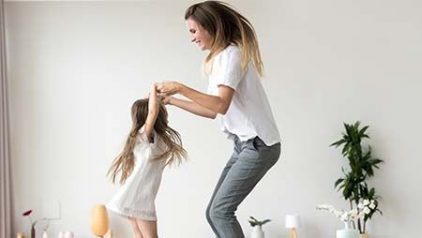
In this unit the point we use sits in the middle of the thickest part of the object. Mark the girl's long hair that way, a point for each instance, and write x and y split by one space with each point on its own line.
227 26
124 163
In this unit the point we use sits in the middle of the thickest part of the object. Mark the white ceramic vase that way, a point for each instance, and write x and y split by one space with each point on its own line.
347 233
257 232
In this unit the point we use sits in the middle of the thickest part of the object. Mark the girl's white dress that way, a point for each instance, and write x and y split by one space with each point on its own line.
136 197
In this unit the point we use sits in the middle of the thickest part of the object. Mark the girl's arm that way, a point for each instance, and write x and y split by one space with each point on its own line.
191 107
218 104
153 109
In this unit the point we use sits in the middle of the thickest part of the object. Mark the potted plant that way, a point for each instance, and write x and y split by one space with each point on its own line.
362 164
257 231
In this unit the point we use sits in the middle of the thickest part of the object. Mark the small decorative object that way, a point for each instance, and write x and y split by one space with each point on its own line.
257 231
349 217
99 220
362 166
28 214
45 229
108 235
61 234
33 223
20 235
68 234
292 223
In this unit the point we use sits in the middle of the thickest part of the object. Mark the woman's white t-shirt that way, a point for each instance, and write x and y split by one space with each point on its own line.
249 114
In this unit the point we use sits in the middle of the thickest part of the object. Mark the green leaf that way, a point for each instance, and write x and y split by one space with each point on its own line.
339 181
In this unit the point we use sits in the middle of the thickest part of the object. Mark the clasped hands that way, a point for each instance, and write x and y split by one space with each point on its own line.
164 90
168 88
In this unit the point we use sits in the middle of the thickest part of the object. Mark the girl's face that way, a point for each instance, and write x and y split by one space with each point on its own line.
199 35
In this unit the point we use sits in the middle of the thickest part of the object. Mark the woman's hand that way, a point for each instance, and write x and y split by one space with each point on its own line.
168 88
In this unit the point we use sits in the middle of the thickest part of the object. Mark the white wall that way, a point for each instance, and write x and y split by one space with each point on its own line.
76 67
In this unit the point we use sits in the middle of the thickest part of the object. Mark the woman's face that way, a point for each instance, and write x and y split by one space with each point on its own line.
199 35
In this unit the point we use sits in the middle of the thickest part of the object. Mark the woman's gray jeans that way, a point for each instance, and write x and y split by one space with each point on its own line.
248 164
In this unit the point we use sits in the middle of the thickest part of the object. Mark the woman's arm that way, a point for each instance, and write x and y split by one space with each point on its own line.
191 107
153 109
218 104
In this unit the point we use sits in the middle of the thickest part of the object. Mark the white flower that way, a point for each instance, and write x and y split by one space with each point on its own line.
366 202
353 213
344 217
363 208
324 206
366 210
338 214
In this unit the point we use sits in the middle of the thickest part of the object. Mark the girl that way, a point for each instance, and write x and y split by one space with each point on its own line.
234 67
150 146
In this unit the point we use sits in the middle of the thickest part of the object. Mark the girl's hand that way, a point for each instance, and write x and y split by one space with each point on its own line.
152 91
166 100
168 88
153 97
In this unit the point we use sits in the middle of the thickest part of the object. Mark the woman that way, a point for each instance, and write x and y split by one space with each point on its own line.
233 66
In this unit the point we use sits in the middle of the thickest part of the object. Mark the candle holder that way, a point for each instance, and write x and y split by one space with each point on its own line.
99 220
292 223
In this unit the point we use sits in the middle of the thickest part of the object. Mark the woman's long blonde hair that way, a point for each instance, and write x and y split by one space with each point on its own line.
124 163
227 26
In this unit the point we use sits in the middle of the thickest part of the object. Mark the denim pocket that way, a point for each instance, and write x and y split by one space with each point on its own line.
249 145
258 143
